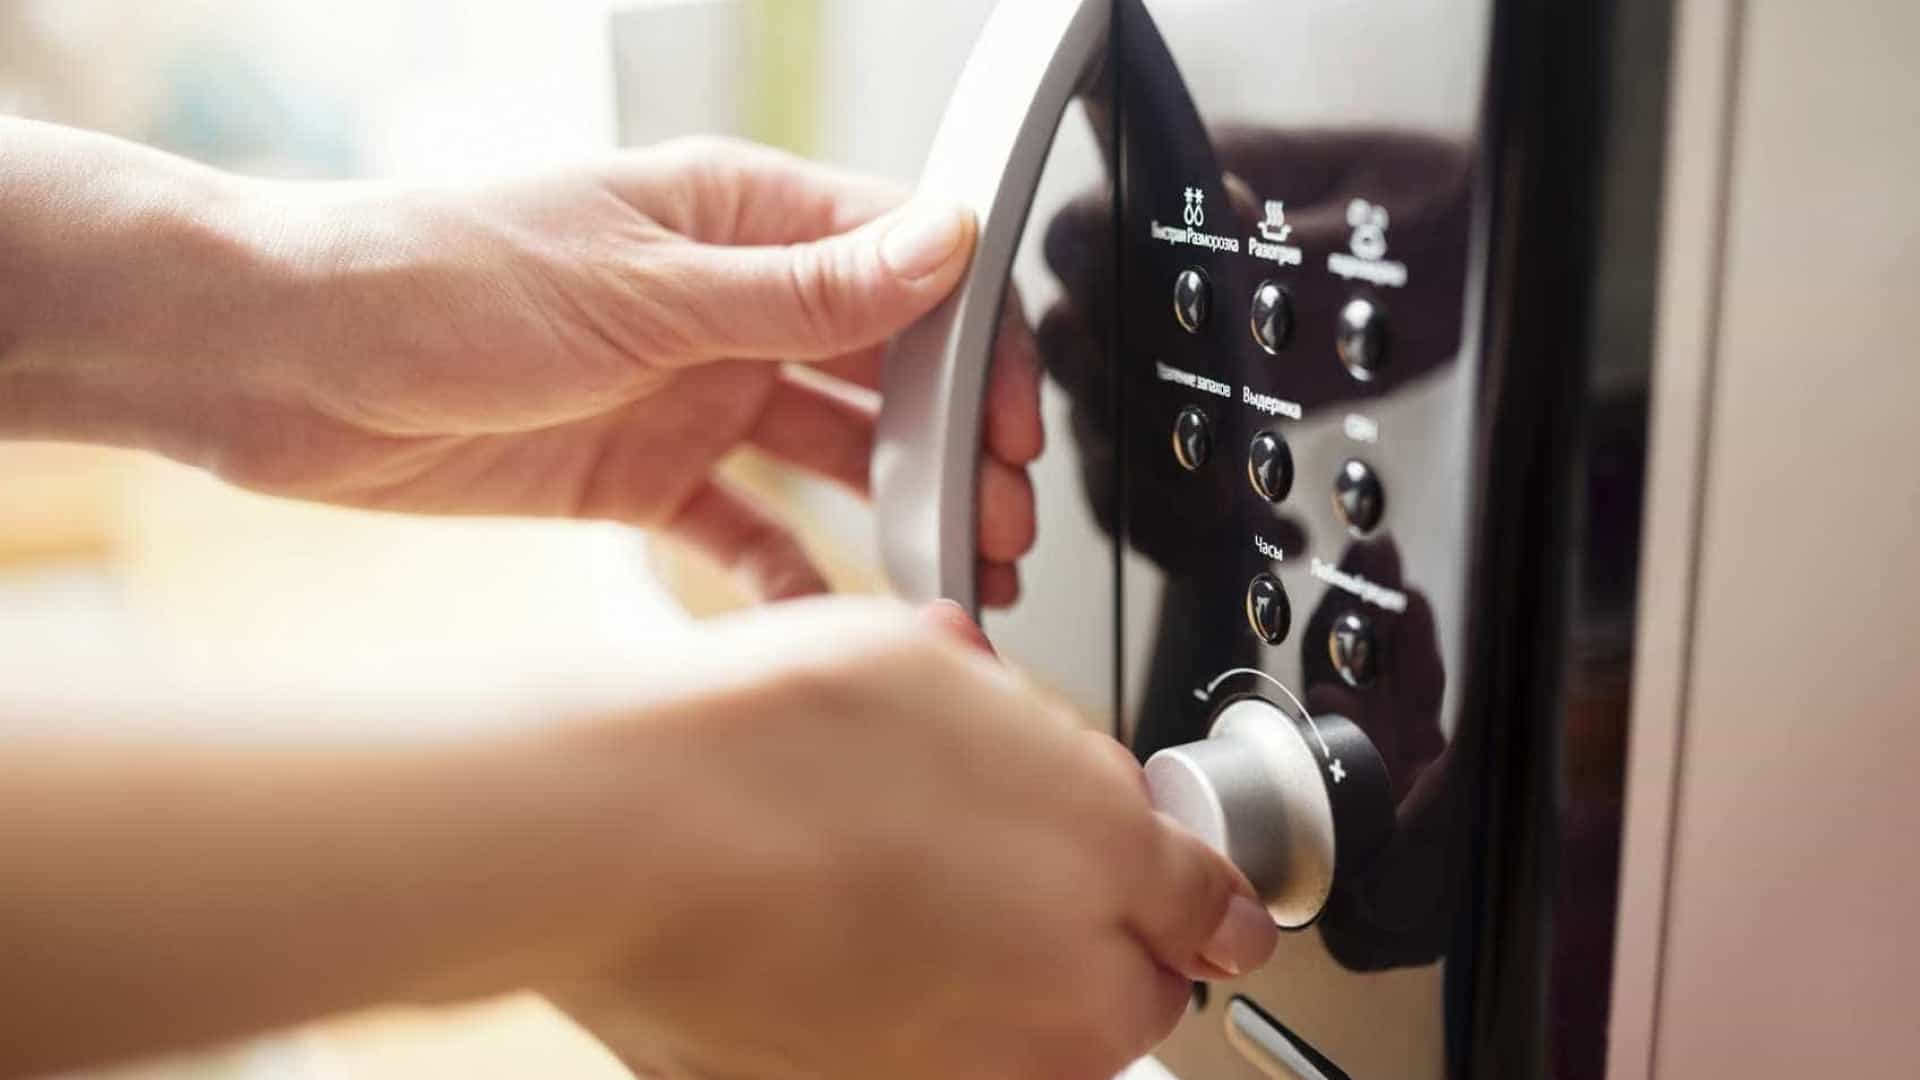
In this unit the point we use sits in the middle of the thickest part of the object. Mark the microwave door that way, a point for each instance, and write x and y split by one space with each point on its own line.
1024 143
1252 507
1029 142
1321 419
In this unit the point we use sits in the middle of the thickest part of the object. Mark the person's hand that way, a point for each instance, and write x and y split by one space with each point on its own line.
590 344
887 857
823 840
593 344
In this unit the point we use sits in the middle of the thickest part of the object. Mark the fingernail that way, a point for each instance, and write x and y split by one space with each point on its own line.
953 619
928 233
1244 939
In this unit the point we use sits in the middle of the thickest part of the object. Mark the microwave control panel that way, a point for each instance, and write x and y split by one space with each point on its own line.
1297 345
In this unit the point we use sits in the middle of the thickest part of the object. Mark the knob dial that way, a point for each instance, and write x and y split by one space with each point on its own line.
1294 803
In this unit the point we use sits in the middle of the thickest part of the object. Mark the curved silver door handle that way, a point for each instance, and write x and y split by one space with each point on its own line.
999 126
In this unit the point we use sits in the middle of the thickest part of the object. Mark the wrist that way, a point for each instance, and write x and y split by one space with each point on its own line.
687 844
247 886
131 281
550 886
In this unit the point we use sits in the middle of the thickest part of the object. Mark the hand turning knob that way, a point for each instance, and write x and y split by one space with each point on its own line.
1293 803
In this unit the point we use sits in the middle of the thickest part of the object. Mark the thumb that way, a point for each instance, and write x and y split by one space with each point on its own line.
1196 912
827 297
952 620
830 296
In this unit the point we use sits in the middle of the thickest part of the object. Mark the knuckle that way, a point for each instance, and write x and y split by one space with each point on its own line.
815 280
713 173
1009 523
1113 764
768 548
1026 525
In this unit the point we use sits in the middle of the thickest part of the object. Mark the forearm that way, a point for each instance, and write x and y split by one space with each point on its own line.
129 275
157 897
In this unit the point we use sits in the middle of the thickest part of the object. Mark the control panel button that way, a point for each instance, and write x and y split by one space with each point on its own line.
1272 316
1192 299
1361 338
1268 610
1355 653
1359 498
1192 438
1270 466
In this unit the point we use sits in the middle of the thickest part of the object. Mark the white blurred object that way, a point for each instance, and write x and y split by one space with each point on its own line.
889 69
382 608
520 87
677 69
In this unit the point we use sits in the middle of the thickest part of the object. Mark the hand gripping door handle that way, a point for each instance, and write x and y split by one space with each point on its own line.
1029 61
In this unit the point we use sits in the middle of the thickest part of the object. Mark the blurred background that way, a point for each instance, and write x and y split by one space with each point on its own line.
117 566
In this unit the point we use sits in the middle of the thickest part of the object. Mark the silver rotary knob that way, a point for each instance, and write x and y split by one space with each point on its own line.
1292 802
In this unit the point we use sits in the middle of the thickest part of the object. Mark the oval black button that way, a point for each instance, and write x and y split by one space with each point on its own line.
1355 653
1358 497
1268 611
1362 338
1192 298
1272 320
1270 466
1192 438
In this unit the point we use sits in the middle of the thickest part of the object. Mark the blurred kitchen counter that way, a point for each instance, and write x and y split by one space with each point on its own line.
510 1039
58 502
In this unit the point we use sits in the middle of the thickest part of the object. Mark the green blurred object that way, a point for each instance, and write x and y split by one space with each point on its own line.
780 41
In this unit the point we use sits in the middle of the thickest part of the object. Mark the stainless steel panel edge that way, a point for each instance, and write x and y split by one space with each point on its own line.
1689 267
1789 942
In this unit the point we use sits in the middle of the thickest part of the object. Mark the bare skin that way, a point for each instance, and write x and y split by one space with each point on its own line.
830 839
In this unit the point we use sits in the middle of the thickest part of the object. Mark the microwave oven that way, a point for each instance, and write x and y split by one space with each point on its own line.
1480 491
